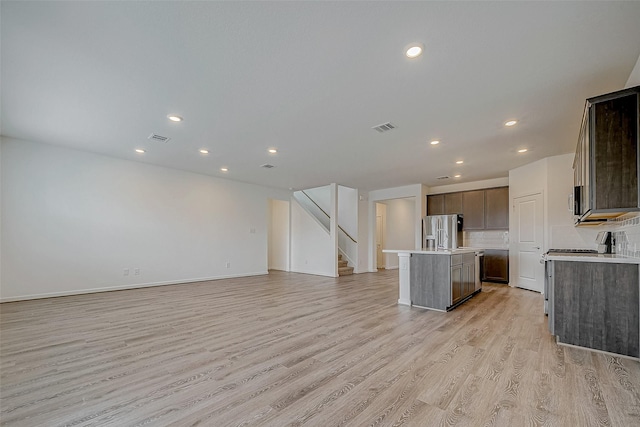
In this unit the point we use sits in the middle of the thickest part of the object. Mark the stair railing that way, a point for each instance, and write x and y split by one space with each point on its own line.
326 217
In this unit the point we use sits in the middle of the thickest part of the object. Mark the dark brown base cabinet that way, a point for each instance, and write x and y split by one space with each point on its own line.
495 266
595 305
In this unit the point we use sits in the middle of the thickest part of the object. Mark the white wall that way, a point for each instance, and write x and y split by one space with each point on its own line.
363 236
468 186
322 197
312 247
279 235
634 77
418 191
553 177
524 181
347 205
348 210
72 221
381 234
1 180
528 179
400 220
560 224
347 217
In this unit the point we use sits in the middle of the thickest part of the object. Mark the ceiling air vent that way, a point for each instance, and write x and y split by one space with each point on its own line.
267 166
443 177
159 138
383 127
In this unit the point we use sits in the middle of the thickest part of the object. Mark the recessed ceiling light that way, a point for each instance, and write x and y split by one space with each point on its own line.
414 50
203 151
435 142
457 176
174 118
511 123
273 150
524 150
224 170
139 150
459 162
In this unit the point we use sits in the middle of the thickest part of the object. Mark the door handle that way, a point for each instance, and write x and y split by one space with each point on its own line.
536 247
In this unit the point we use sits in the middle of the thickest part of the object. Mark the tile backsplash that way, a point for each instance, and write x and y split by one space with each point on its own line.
487 239
625 229
627 235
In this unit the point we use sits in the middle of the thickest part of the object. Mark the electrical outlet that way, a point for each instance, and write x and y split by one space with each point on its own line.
136 271
125 272
252 230
228 264
306 261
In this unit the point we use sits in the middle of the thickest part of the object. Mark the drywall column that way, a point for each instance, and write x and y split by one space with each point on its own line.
334 226
421 212
404 295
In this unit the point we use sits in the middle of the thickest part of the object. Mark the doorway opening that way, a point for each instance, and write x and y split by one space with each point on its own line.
395 229
278 257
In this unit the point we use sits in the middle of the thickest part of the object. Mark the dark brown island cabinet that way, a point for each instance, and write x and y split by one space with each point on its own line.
595 305
442 281
607 157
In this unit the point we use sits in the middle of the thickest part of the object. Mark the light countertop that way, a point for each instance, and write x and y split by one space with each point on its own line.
611 258
425 251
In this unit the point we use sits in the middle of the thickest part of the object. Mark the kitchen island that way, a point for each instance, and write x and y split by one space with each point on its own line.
438 280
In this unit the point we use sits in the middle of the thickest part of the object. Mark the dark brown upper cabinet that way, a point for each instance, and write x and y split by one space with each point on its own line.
606 163
435 205
496 208
444 204
481 209
453 203
473 210
614 124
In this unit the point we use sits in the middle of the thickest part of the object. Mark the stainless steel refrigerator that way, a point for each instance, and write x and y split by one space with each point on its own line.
442 232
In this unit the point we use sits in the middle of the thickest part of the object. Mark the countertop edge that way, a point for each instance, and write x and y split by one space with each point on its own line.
613 259
428 252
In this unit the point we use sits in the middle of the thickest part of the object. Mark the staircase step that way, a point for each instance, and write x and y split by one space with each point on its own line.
345 271
343 263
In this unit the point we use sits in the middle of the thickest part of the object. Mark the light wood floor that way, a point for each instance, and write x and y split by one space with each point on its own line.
291 349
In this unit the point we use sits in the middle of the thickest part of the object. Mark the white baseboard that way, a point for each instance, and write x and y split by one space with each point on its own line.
125 287
395 267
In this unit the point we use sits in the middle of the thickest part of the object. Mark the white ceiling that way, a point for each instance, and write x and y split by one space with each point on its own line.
312 78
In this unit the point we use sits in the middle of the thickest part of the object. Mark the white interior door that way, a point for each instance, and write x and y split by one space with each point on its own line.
379 237
529 229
